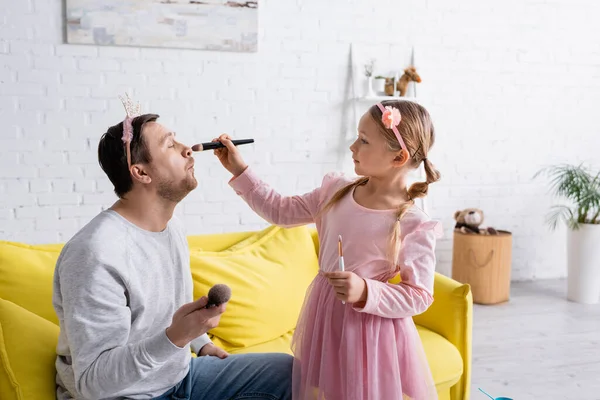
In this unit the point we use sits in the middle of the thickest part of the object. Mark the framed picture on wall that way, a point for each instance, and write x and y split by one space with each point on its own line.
204 24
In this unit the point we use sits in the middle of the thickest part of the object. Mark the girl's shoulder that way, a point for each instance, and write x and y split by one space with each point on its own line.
417 220
334 181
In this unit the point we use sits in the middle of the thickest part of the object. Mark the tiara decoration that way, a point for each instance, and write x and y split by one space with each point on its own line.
131 110
390 118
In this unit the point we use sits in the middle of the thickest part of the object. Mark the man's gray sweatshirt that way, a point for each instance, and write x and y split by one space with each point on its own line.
116 288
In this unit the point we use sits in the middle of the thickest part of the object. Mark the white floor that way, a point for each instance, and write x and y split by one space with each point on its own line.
537 346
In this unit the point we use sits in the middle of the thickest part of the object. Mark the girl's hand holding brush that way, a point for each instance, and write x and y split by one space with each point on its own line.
348 286
230 156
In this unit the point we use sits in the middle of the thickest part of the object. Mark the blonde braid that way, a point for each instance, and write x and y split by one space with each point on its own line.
416 190
341 193
395 240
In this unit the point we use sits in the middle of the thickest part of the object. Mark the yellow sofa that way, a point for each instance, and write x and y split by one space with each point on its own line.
268 272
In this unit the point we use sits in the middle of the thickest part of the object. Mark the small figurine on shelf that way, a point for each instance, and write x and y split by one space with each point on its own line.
389 86
410 74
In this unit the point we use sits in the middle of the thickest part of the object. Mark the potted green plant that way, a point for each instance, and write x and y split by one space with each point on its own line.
581 189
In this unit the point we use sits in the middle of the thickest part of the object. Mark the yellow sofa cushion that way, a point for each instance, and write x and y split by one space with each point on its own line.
27 354
26 274
268 273
281 344
444 360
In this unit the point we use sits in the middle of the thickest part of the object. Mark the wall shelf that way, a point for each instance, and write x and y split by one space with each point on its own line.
383 98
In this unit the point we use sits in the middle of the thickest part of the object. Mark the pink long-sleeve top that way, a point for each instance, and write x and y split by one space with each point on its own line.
366 235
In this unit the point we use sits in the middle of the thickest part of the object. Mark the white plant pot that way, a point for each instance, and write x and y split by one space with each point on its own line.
379 86
584 264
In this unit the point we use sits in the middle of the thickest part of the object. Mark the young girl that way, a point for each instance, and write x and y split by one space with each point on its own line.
355 338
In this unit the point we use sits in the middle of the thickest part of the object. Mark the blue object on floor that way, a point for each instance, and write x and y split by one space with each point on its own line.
494 398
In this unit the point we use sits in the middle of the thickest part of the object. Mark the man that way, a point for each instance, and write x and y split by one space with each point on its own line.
123 290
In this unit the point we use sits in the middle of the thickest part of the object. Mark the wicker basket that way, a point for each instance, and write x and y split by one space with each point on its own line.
484 262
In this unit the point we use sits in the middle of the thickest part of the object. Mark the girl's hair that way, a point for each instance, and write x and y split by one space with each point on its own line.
418 134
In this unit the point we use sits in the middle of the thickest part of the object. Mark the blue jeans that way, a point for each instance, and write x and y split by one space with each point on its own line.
265 376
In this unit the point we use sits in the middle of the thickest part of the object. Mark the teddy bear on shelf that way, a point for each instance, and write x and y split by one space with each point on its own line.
470 220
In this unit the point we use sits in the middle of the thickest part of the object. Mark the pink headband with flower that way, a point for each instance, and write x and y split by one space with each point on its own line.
132 111
391 118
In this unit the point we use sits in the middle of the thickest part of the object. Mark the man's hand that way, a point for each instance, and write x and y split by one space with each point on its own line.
348 286
192 320
212 350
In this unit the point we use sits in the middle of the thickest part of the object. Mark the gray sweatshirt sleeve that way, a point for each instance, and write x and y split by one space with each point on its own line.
198 343
97 322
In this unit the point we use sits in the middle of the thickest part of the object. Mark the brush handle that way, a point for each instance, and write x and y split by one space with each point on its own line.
342 268
218 145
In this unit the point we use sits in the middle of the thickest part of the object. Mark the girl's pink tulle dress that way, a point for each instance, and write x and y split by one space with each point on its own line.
343 352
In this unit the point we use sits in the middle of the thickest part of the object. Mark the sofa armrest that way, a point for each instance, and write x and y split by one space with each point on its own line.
451 315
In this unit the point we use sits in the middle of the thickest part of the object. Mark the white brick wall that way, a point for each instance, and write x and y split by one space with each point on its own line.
512 86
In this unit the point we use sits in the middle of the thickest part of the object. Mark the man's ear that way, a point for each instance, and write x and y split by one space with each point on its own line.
138 173
401 158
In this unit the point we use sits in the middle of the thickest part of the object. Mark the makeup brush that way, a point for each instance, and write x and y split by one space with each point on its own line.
341 257
218 294
218 145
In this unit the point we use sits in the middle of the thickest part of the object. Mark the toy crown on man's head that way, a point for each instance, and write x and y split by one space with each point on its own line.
132 110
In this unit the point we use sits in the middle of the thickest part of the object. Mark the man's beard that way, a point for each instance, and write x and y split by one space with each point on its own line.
176 191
